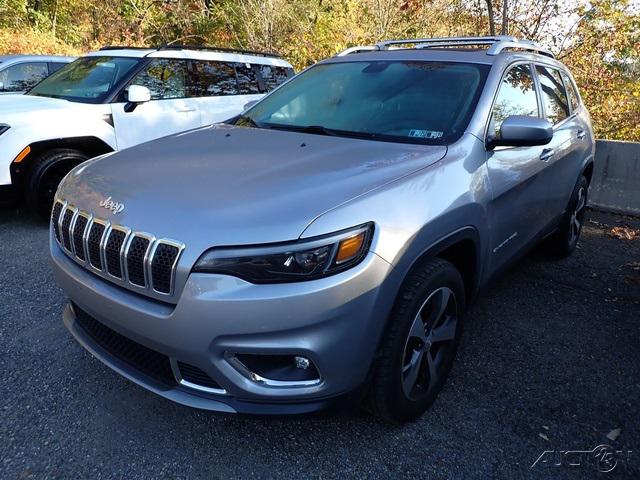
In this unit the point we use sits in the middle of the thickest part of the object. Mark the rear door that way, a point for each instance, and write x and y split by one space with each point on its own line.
562 154
518 176
169 111
214 87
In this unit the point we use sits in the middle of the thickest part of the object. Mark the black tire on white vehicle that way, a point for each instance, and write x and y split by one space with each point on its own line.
46 173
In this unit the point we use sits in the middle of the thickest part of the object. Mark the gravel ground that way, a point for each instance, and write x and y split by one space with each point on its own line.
550 360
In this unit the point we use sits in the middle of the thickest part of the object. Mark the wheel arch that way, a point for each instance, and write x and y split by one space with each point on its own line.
461 248
89 145
587 170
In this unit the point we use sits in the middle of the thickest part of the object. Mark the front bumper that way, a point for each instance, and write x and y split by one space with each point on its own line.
336 322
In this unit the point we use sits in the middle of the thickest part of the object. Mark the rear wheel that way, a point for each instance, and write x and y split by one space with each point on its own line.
564 241
47 172
420 344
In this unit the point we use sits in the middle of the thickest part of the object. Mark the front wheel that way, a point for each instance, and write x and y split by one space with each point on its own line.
47 172
420 344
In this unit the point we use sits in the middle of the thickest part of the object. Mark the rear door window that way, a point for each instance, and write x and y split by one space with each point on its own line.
554 96
273 76
247 79
165 79
571 92
209 79
516 96
21 77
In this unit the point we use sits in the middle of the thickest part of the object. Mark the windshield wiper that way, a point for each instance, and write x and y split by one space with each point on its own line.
321 130
317 129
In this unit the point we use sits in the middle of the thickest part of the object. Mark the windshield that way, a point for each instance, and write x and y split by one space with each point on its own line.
401 101
87 80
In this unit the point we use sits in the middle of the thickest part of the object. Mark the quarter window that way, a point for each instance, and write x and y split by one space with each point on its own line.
571 92
207 79
517 96
247 79
554 96
273 76
165 79
21 77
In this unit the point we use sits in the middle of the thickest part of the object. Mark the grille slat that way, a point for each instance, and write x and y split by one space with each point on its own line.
93 244
78 236
134 258
66 223
162 266
112 252
55 219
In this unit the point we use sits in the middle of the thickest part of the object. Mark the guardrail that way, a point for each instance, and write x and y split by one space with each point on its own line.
616 177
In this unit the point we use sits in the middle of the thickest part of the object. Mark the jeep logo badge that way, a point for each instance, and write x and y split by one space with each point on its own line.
109 204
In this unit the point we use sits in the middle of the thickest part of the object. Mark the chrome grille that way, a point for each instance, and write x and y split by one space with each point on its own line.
133 258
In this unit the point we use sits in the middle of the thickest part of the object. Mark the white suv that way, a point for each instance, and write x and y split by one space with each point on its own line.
119 97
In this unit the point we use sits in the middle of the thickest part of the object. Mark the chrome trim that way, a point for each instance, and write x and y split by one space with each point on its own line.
174 243
126 231
105 224
145 259
70 229
85 238
86 215
103 242
268 382
181 381
64 208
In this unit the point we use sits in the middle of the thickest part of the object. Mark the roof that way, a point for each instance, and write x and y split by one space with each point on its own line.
220 55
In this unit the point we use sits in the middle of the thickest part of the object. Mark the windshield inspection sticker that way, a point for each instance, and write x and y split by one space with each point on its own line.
431 134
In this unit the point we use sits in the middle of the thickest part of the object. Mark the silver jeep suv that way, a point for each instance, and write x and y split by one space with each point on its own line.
325 244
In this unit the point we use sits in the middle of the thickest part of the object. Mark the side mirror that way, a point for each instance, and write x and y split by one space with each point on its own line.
522 131
138 94
250 104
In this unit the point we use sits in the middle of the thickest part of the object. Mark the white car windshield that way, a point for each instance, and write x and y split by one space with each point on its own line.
87 80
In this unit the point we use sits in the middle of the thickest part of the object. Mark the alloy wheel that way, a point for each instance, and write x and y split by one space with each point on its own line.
577 216
429 343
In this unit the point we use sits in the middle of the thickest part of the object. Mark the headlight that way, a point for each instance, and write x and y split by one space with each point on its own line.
292 262
3 128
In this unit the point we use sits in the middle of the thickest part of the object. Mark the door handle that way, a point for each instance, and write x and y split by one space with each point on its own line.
187 110
581 134
547 154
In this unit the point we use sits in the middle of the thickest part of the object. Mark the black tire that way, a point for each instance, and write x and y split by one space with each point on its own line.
45 175
394 369
564 240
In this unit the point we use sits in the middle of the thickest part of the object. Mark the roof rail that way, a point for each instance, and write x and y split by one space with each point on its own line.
219 49
496 44
121 47
195 47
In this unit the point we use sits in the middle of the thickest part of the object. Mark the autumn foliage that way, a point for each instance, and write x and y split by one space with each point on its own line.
599 40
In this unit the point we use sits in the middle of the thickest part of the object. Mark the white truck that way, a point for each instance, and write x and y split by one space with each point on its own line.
119 97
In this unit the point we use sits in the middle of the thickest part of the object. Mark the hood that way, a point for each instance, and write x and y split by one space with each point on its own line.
18 107
225 185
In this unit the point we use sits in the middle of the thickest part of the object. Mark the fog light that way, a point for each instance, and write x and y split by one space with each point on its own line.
301 362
